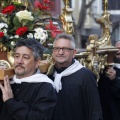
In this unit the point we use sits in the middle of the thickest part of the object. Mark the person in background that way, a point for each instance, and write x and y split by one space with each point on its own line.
77 93
31 95
109 89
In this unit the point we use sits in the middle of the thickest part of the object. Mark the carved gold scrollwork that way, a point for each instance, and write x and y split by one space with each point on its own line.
3 47
6 56
104 21
10 57
4 64
100 52
66 18
95 57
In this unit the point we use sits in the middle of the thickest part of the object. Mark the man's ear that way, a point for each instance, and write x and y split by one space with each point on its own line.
74 53
38 62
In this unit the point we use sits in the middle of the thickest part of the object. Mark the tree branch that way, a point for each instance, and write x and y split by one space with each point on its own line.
89 4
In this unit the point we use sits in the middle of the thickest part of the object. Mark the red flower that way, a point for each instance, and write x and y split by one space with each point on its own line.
1 34
53 29
21 31
48 2
54 33
41 6
9 9
51 26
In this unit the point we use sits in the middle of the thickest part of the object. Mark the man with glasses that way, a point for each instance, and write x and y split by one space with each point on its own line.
76 87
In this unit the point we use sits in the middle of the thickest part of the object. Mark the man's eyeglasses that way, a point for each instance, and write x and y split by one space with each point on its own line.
64 49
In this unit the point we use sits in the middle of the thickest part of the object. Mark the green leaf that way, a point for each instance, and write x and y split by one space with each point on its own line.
16 22
17 4
25 22
30 27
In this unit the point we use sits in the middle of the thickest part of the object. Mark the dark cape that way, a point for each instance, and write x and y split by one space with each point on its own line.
32 101
79 98
109 91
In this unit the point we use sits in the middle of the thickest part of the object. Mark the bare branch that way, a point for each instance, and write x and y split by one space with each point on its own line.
82 15
90 3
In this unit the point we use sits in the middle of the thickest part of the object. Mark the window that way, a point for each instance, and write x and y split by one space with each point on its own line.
113 4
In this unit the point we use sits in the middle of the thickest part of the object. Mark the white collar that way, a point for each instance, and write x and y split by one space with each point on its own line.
36 78
70 70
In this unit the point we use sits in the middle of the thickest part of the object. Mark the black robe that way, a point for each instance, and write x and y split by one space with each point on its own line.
109 91
32 101
79 98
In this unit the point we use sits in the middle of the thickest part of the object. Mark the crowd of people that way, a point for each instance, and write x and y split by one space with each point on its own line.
70 92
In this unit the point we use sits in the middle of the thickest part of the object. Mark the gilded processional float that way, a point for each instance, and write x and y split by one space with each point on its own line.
98 54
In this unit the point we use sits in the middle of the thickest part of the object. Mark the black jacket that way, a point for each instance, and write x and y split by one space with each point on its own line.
79 98
109 91
32 101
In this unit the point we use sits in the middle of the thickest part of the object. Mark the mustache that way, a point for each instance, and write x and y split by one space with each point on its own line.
19 66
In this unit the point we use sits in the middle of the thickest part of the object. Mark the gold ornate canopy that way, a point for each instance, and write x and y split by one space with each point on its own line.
98 53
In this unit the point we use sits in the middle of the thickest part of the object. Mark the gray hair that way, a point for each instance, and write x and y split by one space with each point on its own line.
32 44
67 37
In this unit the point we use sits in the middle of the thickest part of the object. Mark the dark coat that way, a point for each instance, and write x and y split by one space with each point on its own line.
79 98
32 101
109 91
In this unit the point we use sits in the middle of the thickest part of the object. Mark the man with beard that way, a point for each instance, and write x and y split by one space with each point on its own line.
109 89
31 95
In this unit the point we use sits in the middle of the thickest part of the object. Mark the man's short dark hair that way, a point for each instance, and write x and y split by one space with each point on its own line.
32 44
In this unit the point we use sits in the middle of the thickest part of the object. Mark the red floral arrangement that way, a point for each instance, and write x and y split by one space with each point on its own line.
18 22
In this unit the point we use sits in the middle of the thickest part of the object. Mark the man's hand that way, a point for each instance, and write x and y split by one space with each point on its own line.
110 73
6 89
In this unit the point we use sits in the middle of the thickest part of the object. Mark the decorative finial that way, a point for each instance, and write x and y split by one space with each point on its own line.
105 5
66 2
66 18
